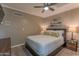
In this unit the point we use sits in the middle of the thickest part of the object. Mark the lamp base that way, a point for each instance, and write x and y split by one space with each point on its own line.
72 36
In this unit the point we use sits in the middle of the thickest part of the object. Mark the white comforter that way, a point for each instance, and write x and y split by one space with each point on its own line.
44 44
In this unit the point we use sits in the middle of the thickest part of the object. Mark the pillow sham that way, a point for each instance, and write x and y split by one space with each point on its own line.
60 32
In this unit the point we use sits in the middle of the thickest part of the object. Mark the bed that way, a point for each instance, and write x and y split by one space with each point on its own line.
43 45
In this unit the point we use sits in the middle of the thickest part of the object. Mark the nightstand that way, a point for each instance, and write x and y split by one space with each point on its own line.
72 44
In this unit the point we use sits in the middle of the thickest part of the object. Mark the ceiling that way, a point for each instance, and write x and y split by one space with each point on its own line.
28 8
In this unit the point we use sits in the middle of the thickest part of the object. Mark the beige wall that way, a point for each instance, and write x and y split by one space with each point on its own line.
19 26
68 18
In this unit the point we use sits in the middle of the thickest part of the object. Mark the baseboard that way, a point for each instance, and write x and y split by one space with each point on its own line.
17 45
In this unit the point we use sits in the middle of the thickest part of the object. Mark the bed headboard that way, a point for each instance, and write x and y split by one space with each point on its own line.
64 35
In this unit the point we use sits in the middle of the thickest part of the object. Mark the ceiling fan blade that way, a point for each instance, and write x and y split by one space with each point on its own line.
51 9
38 7
43 11
50 4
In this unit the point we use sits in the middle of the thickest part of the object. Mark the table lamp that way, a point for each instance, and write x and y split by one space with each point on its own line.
44 27
72 29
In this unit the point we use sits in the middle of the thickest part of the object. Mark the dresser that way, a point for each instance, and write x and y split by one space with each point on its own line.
5 46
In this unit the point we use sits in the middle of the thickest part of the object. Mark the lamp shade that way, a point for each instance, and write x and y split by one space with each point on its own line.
72 29
43 27
77 29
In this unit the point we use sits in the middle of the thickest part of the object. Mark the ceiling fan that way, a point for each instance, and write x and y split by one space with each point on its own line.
46 6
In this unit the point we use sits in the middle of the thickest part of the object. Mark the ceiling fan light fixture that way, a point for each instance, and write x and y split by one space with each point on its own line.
46 8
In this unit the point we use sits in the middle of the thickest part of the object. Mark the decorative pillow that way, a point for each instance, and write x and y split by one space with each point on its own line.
46 33
55 34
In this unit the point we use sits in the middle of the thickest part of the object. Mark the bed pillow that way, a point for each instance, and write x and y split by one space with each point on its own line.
55 34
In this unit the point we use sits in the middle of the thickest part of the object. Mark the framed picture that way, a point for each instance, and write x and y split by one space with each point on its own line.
56 21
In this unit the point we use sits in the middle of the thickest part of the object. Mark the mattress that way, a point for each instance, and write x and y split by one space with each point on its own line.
44 44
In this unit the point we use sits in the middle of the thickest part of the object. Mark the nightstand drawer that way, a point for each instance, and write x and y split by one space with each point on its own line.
70 46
